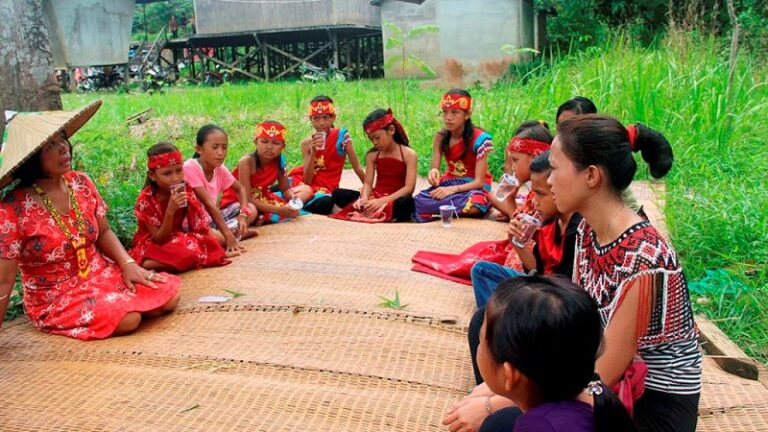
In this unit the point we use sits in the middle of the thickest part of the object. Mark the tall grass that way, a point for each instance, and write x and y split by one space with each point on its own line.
717 197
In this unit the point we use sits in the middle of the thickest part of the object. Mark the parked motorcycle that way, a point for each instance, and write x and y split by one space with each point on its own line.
155 79
98 78
311 73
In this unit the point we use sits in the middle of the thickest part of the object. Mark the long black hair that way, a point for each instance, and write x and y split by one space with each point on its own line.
399 137
578 105
550 330
202 135
601 140
32 169
469 129
159 148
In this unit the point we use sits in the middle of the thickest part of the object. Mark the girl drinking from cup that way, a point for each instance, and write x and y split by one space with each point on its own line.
324 154
465 147
259 170
173 232
393 165
208 177
531 139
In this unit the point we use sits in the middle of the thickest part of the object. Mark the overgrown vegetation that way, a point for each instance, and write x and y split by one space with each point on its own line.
716 202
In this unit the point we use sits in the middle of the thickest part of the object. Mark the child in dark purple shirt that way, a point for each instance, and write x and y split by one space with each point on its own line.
538 347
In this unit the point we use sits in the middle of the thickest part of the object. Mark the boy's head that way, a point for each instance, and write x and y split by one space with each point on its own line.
322 113
270 139
542 198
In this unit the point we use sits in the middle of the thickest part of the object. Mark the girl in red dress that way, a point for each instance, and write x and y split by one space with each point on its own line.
77 278
173 232
465 147
393 163
324 154
261 169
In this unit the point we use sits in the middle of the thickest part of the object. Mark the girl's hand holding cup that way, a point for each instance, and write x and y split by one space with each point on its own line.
515 227
178 197
288 212
318 140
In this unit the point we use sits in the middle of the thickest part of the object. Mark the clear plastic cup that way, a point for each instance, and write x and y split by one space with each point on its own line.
234 226
322 136
530 223
179 187
507 185
295 203
446 214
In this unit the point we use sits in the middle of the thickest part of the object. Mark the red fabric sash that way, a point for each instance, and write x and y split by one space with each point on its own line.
457 267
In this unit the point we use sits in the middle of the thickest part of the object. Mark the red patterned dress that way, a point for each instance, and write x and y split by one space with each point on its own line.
190 246
390 177
56 298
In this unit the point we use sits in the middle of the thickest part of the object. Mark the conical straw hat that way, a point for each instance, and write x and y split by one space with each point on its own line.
27 132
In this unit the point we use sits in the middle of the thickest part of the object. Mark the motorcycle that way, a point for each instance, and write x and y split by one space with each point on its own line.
106 78
311 73
155 79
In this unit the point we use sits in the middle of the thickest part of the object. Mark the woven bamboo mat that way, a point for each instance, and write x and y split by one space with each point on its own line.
306 347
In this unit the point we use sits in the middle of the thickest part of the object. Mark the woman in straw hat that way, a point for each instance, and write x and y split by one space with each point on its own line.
78 280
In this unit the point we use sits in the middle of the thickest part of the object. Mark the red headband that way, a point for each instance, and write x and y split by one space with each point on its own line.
527 146
456 101
379 123
632 131
385 121
271 130
163 160
321 107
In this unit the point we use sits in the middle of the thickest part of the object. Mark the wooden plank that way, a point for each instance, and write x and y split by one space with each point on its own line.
217 61
724 351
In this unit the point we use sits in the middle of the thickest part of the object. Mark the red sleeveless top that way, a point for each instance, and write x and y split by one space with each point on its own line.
459 167
261 180
390 174
329 163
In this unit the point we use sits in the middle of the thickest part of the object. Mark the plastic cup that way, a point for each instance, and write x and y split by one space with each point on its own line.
446 214
234 226
178 187
295 203
506 186
529 226
322 136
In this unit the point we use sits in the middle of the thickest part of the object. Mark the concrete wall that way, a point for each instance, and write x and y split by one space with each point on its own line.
470 37
216 16
90 32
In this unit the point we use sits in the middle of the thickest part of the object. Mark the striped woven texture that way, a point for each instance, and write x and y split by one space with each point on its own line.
308 347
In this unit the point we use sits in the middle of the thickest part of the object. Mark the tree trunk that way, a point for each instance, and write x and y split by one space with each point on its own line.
27 78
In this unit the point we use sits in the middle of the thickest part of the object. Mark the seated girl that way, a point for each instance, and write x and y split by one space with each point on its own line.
465 147
531 139
260 170
538 348
173 232
393 164
208 177
323 154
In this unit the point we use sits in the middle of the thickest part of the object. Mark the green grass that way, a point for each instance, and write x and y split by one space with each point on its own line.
717 198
